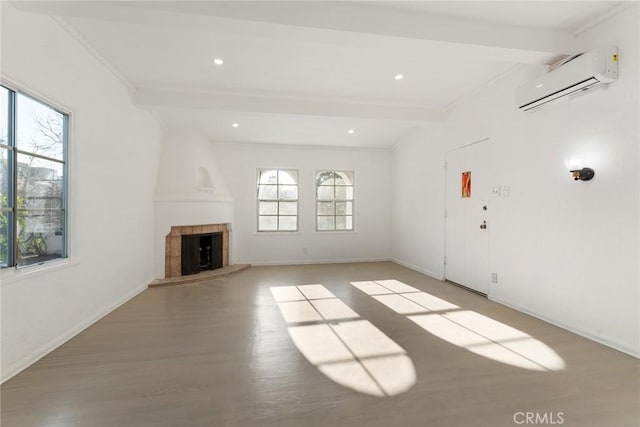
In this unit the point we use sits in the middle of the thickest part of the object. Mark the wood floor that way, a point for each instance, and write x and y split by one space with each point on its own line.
218 353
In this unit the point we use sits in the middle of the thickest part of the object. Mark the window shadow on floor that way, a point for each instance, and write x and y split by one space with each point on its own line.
346 348
466 329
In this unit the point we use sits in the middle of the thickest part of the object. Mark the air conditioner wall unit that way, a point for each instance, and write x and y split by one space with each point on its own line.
582 72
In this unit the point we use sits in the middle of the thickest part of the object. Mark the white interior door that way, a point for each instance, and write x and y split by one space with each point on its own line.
467 225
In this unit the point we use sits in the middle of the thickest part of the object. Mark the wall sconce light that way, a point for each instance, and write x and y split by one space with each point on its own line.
584 174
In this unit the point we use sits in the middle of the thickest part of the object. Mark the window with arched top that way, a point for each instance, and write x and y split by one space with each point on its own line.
334 200
277 200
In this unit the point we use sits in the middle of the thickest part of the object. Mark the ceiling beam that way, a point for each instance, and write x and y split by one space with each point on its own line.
371 18
463 36
274 103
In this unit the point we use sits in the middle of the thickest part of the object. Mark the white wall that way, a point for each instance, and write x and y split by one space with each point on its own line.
114 150
182 196
418 200
565 251
369 241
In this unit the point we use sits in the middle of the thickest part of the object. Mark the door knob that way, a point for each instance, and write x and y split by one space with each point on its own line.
483 226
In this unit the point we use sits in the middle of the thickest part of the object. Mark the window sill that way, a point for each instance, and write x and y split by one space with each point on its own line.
298 233
277 233
12 274
334 232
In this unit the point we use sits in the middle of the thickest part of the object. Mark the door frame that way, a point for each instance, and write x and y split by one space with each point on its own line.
447 188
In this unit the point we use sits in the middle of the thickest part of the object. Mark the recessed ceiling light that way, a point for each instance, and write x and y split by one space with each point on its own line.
399 77
218 61
235 125
539 85
351 131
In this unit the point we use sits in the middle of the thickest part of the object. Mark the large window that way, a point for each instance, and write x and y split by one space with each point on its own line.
334 200
277 200
33 168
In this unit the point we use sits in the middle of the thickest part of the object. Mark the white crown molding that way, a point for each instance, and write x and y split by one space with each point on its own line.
449 107
157 117
594 22
71 30
130 88
418 130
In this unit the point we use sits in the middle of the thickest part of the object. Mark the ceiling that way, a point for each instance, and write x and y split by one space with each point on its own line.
308 72
558 15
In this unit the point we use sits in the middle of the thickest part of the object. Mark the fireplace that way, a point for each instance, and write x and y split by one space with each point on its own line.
195 248
201 252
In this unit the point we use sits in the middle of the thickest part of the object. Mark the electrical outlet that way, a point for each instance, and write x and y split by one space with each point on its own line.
506 191
494 278
305 251
496 191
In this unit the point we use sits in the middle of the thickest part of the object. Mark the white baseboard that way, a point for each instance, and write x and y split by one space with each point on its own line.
345 261
614 345
313 261
418 269
29 360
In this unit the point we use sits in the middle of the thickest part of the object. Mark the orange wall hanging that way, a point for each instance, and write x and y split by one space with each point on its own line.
466 184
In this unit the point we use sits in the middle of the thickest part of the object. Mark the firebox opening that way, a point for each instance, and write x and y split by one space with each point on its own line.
201 252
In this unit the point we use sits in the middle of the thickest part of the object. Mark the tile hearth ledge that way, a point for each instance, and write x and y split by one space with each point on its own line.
205 275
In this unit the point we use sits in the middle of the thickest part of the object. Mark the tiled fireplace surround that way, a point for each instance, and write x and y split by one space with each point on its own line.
173 245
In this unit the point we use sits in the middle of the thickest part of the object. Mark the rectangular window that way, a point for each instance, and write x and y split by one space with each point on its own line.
33 190
277 200
334 200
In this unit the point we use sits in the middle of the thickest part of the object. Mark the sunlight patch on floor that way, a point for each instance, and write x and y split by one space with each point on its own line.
333 309
399 304
347 349
286 293
467 329
371 288
315 292
430 302
298 311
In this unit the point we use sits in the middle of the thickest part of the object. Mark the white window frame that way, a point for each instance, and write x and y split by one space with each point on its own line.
335 215
278 199
13 151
